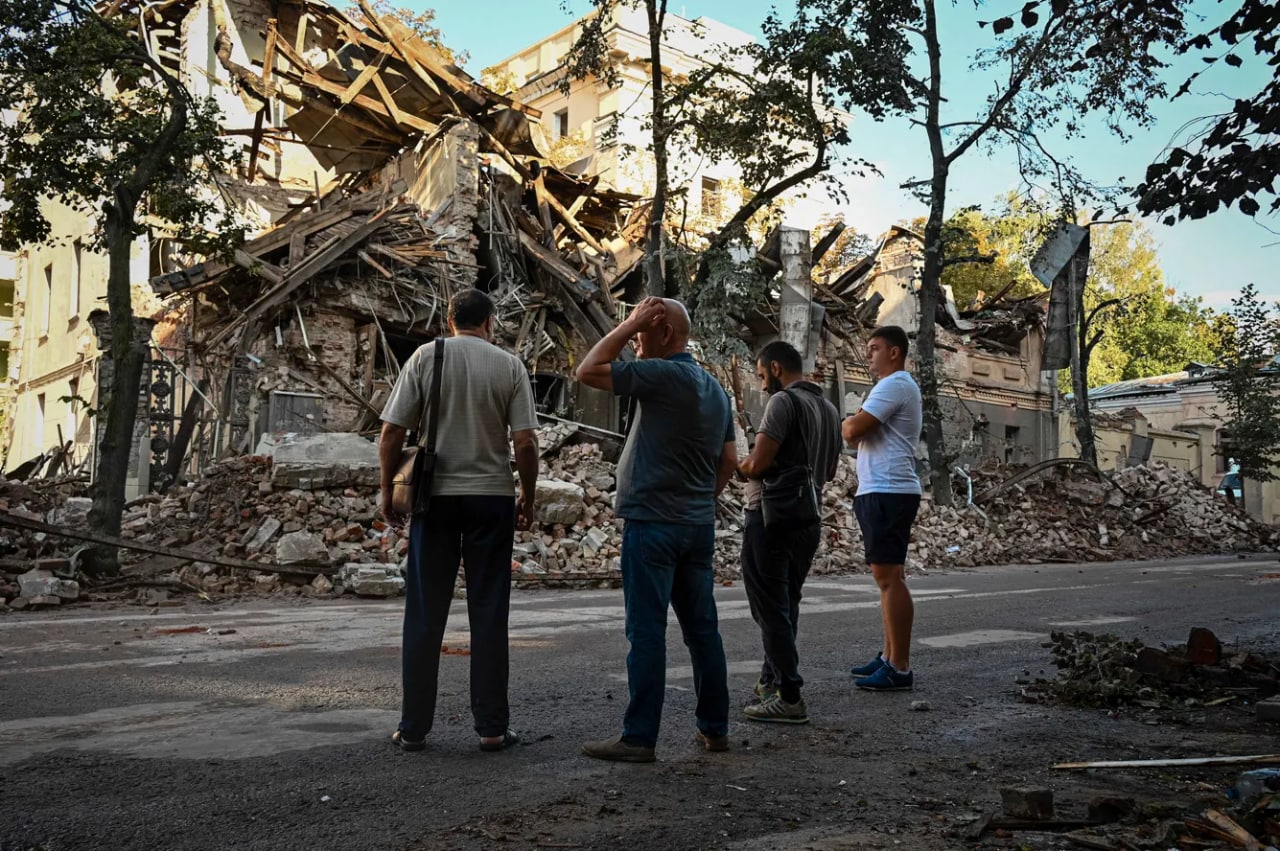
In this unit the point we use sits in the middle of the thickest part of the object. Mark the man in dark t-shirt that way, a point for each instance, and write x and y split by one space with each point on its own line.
679 455
800 428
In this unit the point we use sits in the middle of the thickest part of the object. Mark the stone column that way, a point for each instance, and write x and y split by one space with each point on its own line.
140 446
795 312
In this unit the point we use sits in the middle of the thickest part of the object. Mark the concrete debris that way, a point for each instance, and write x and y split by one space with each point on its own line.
319 461
1027 802
73 513
1106 671
560 503
37 583
239 509
301 547
366 580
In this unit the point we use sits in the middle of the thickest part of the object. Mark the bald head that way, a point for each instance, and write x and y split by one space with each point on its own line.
678 318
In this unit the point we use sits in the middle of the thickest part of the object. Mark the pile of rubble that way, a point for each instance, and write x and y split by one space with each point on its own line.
308 510
1106 671
1153 511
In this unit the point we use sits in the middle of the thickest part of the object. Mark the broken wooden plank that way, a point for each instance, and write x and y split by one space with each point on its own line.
311 78
824 245
501 150
403 40
559 269
383 270
1232 831
566 217
259 267
297 276
579 202
1257 759
544 213
303 569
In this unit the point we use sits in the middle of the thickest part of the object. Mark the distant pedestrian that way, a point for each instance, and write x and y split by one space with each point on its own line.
486 404
886 431
679 455
796 450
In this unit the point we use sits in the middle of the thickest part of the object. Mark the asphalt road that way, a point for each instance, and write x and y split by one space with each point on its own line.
264 725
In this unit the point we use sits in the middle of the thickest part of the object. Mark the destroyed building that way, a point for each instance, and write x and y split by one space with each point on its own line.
997 402
381 179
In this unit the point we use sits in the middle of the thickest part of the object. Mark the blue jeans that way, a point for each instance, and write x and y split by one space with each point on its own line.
665 564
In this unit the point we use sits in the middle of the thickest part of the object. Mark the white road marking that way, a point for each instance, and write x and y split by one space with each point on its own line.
1093 621
979 637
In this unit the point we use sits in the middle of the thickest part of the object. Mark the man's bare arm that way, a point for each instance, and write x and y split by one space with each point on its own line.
596 369
857 427
526 448
390 446
762 456
728 463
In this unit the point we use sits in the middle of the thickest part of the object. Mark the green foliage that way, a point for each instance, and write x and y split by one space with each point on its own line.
728 293
1230 157
850 247
997 249
1247 346
90 126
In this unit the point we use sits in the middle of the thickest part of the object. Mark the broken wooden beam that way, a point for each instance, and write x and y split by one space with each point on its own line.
560 270
1258 759
301 569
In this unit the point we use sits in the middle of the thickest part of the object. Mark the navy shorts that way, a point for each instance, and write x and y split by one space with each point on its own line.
886 520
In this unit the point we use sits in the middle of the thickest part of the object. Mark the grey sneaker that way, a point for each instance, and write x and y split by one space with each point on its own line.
617 750
765 690
715 744
775 710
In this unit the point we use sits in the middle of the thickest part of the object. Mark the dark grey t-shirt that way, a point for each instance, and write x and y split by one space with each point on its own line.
821 434
667 472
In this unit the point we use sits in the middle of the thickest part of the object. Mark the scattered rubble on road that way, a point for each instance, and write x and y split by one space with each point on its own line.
1107 671
314 500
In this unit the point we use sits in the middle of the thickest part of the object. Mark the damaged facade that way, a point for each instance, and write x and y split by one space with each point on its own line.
382 180
379 179
1177 418
997 402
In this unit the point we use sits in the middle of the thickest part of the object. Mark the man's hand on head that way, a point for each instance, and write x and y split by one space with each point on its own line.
648 315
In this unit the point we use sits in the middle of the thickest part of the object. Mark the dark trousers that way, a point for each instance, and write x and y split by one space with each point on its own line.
478 530
775 563
665 564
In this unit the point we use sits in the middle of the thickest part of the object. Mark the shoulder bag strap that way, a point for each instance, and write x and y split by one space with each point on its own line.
800 421
434 405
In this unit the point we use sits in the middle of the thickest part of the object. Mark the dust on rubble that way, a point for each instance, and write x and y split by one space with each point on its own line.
235 510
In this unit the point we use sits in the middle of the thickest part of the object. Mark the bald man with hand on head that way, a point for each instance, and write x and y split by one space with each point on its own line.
679 455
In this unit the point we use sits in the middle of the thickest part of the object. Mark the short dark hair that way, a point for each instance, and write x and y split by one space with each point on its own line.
783 354
469 309
894 336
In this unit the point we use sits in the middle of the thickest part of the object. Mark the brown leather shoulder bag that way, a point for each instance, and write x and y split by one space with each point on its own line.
411 485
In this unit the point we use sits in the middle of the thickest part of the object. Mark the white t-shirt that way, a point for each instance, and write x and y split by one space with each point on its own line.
887 456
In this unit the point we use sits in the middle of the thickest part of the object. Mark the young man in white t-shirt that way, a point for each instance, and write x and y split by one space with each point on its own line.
885 432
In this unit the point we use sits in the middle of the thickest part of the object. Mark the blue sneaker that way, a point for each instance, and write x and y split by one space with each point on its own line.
887 679
869 668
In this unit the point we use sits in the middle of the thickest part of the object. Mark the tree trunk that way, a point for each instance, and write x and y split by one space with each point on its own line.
654 243
927 367
128 356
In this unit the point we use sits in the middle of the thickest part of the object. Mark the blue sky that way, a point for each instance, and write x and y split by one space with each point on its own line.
1212 258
